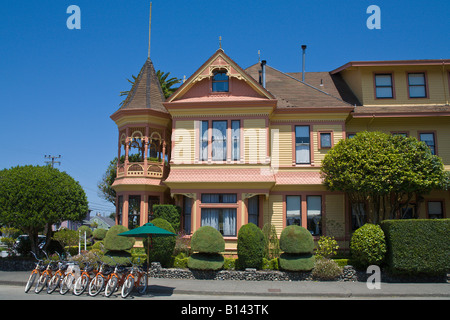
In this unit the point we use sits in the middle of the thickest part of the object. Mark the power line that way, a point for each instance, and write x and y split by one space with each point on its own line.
52 162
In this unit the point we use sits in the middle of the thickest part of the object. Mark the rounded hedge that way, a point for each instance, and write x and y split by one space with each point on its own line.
295 262
206 261
100 233
296 239
113 242
250 246
207 240
368 245
162 247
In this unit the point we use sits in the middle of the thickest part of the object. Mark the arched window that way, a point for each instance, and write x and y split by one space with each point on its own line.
220 81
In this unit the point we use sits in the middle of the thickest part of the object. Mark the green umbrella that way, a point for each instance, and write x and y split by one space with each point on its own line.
148 230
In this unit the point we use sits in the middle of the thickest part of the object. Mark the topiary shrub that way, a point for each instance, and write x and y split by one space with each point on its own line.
162 247
368 246
250 246
298 245
207 240
296 239
113 242
99 234
209 243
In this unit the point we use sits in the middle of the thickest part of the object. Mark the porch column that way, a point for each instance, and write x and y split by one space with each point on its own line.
125 210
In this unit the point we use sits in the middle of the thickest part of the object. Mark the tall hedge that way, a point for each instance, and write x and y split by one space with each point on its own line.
168 212
418 246
250 246
162 247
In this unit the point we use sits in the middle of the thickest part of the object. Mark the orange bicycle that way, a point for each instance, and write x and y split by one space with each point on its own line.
116 279
36 273
45 276
98 282
137 278
59 275
85 278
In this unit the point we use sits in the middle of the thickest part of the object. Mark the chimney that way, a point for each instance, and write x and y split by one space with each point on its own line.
263 72
303 64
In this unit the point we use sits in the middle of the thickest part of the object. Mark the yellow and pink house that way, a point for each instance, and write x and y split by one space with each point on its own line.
233 146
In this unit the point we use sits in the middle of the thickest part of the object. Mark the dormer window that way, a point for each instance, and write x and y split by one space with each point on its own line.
220 81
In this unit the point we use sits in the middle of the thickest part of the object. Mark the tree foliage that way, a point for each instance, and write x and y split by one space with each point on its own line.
383 171
32 198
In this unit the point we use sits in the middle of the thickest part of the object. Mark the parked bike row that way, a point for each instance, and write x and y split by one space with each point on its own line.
62 275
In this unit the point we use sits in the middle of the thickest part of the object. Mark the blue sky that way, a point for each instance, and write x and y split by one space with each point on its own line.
58 87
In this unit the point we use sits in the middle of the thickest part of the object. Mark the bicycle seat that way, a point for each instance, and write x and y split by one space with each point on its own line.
89 268
42 268
53 267
64 267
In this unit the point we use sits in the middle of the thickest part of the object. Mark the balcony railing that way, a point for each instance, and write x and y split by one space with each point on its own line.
156 170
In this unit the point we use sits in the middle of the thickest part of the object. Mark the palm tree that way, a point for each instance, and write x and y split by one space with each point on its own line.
166 85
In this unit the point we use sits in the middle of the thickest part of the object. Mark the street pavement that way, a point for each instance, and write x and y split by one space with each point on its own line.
276 289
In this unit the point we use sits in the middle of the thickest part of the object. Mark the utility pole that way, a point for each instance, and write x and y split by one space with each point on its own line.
52 161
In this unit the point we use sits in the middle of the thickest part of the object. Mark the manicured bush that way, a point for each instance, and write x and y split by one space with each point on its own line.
114 242
229 264
298 245
418 246
297 262
368 246
162 247
296 239
99 233
207 240
168 212
206 261
250 246
84 229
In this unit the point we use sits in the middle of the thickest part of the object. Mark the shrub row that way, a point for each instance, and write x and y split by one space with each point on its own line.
418 246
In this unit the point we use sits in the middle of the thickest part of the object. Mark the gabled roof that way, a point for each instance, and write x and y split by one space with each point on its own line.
146 92
219 60
293 93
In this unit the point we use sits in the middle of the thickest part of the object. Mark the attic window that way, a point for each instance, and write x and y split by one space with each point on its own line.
220 81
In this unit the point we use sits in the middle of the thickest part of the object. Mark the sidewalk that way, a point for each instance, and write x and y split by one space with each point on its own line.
295 289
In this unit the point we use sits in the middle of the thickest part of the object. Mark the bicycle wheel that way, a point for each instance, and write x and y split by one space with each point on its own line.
42 282
53 284
67 283
96 285
143 283
127 286
31 280
80 285
111 286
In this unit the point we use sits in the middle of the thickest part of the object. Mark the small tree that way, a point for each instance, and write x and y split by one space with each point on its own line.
33 198
383 171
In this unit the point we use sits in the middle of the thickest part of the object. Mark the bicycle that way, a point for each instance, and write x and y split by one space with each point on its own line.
83 281
69 279
45 276
98 282
36 272
116 279
130 282
59 275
